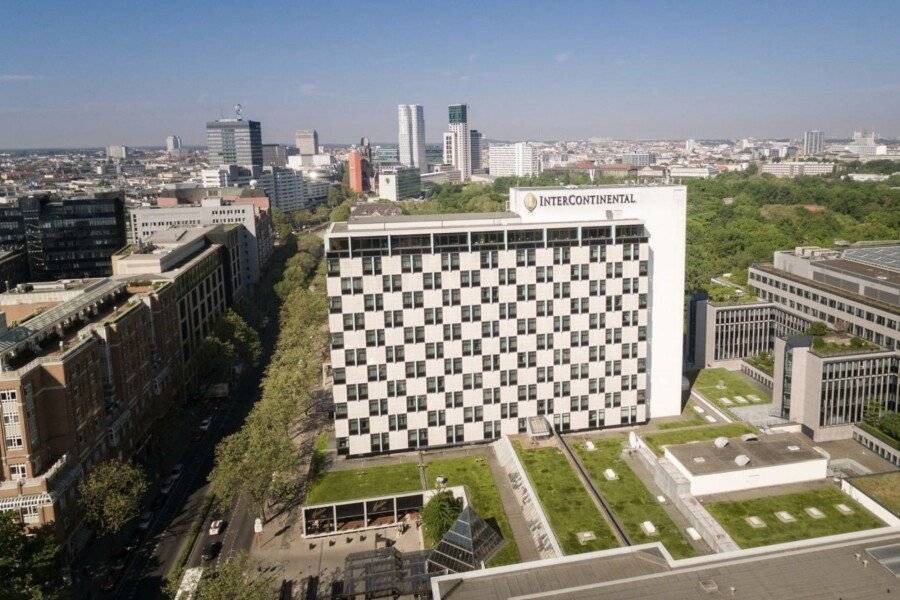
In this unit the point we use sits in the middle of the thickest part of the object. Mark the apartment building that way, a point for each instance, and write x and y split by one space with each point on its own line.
81 379
451 329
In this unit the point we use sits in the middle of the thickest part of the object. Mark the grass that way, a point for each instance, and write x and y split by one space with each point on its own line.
689 418
731 516
764 361
736 384
565 501
337 486
881 435
629 499
682 436
884 488
474 473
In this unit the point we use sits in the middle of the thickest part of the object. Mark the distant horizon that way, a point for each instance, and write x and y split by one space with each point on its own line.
81 75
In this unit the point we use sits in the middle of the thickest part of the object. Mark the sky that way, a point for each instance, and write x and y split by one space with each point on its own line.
87 73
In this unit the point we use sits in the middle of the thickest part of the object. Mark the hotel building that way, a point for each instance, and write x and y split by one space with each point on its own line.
451 329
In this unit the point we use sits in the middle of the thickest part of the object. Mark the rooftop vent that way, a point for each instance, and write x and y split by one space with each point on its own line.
793 448
742 460
709 586
721 442
699 460
750 437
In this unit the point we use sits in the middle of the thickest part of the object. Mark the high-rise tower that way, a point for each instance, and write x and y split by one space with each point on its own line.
411 129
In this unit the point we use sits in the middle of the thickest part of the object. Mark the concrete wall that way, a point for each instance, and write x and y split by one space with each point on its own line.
869 504
749 478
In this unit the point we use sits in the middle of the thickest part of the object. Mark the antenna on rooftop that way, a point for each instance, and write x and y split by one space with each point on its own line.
237 110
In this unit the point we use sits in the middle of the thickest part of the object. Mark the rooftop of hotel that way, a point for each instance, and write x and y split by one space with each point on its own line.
824 568
706 457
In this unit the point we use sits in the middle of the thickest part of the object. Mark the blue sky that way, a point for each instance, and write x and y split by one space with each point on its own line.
90 73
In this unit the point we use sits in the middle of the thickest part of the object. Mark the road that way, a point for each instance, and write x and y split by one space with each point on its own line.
144 576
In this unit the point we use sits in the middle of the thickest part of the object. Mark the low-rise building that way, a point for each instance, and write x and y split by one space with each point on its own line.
399 183
796 169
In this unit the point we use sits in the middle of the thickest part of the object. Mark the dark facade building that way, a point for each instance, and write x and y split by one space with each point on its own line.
65 238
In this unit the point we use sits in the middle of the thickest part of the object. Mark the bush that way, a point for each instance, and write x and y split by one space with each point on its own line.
817 328
440 513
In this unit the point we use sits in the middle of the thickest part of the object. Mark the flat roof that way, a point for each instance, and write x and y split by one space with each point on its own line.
885 256
769 450
826 568
864 270
595 187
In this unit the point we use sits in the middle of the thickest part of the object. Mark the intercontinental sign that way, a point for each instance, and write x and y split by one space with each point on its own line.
532 201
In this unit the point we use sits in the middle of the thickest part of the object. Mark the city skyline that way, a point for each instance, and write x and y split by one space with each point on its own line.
576 78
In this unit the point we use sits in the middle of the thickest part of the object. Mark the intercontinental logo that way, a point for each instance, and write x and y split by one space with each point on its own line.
531 201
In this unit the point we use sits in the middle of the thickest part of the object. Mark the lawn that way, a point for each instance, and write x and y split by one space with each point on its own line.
682 436
337 486
735 384
631 502
689 418
474 473
884 488
564 500
731 516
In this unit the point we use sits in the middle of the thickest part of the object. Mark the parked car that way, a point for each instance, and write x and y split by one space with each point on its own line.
205 423
211 551
176 471
216 527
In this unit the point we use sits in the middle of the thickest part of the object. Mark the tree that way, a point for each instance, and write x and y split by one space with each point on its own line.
817 328
282 225
871 412
236 579
211 362
29 562
111 494
233 330
890 424
440 513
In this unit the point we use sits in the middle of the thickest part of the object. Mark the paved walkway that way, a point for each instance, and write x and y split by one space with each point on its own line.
518 524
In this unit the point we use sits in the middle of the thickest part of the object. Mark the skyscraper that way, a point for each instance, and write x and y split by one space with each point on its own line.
234 142
173 144
813 142
457 146
355 170
475 149
411 127
307 141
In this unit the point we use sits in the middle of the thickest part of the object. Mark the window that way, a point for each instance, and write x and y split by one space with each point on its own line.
411 263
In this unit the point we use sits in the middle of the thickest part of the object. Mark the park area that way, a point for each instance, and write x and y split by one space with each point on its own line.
789 517
565 501
729 388
631 502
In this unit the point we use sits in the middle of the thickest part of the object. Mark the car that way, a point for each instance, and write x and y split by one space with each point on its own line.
211 551
205 423
146 519
216 527
166 486
176 471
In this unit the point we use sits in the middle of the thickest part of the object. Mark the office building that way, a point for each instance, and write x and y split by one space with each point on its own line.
411 124
276 155
450 329
234 142
246 207
356 171
823 384
638 159
307 141
864 145
434 154
457 141
813 143
118 152
65 237
684 171
399 183
289 190
796 169
475 149
514 160
226 176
